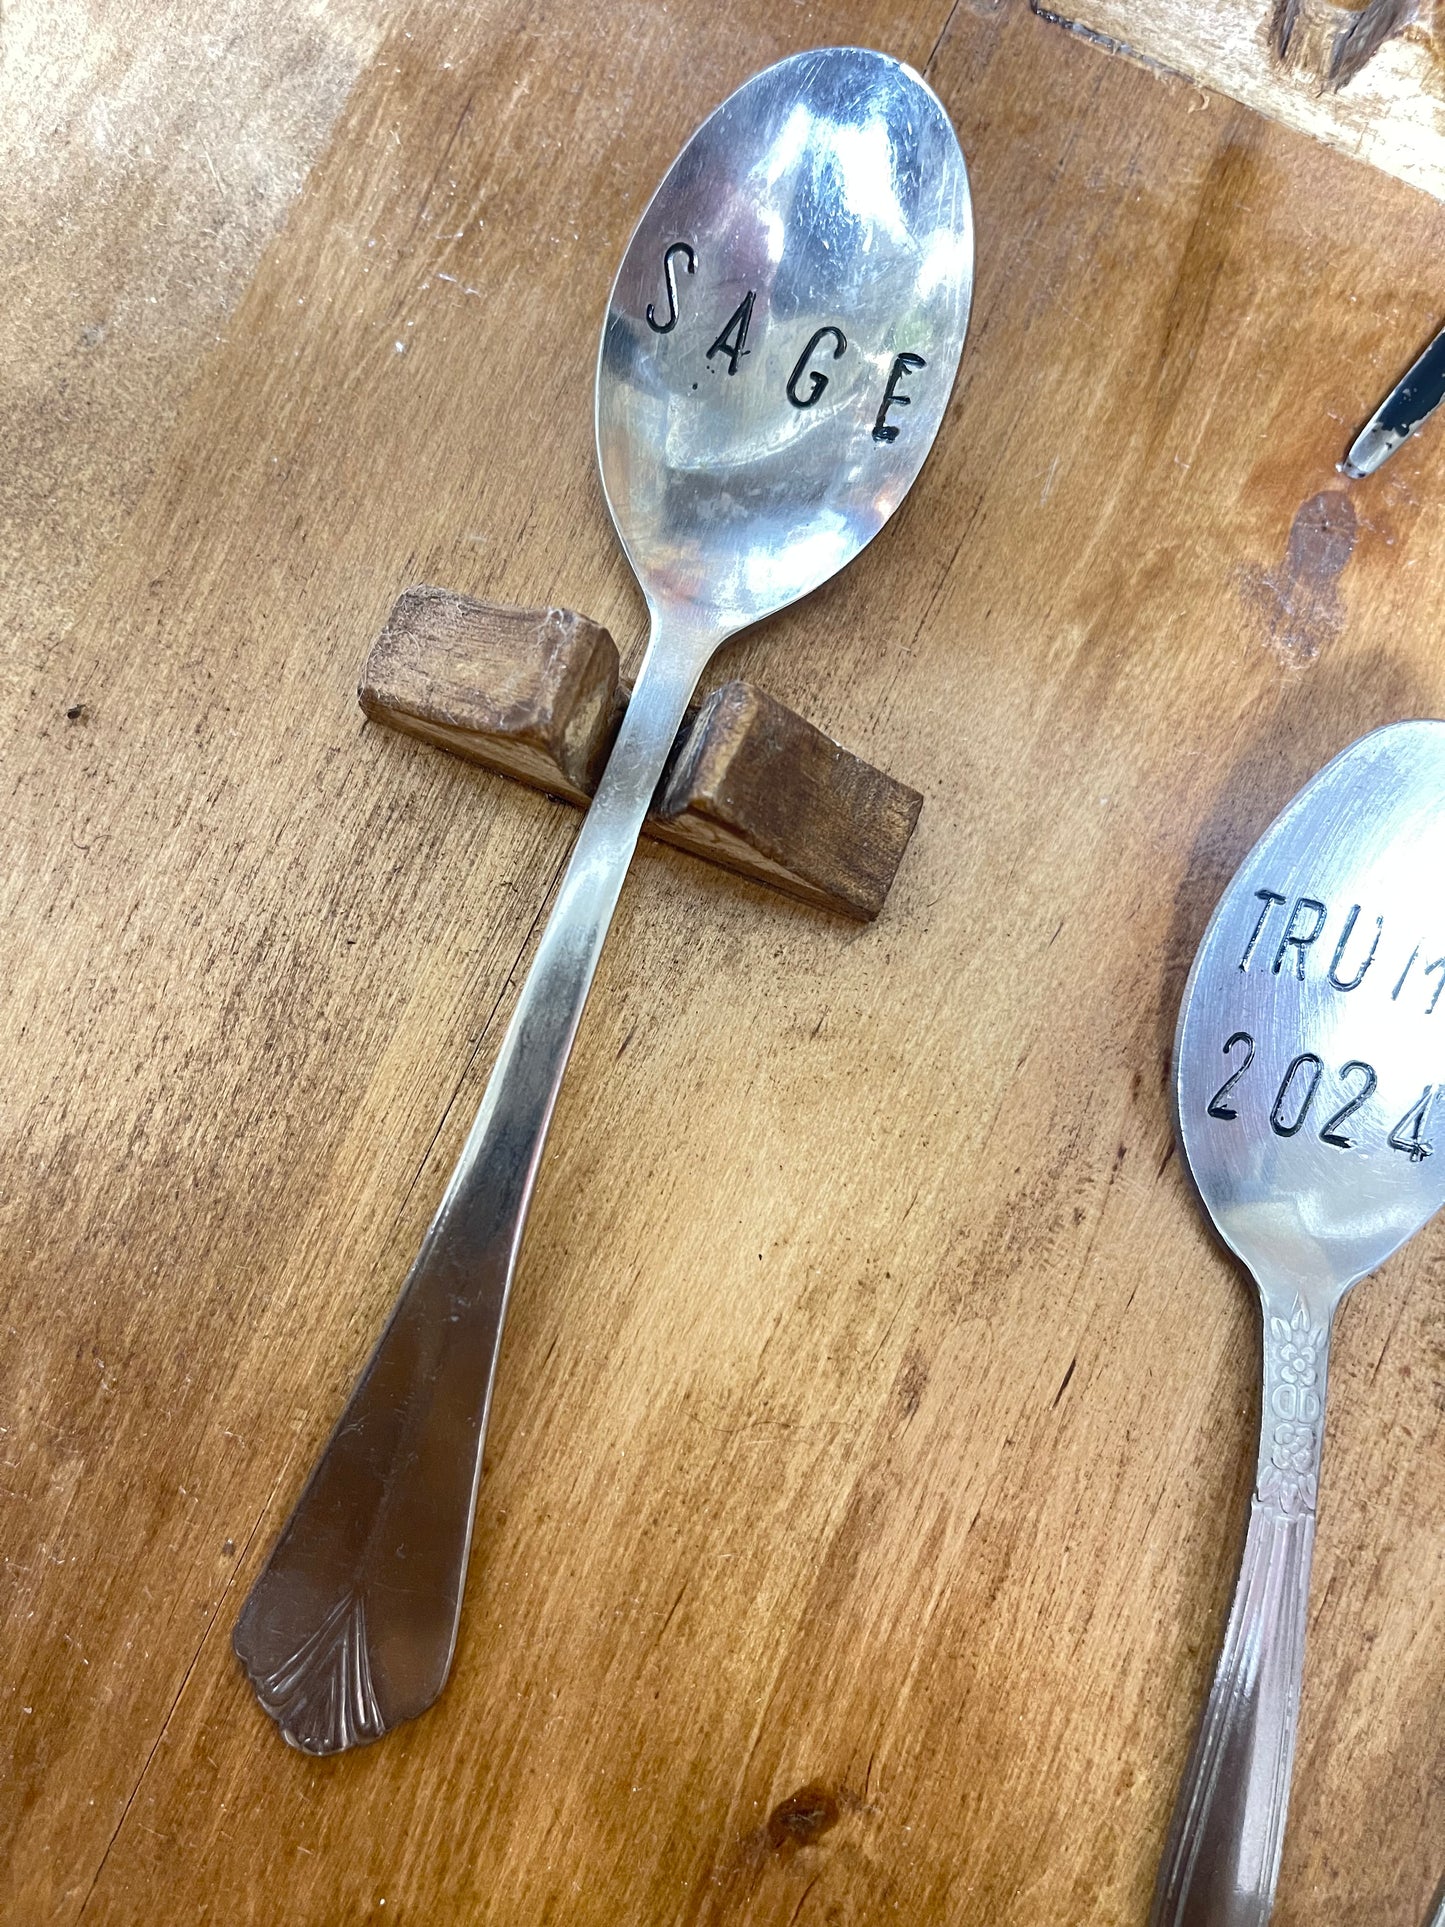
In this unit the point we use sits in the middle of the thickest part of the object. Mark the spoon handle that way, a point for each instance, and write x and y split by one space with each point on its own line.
350 1626
1221 1863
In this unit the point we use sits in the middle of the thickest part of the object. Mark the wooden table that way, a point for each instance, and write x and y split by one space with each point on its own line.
875 1426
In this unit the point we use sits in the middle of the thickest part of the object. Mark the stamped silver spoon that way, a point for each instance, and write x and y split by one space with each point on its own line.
778 351
1310 1067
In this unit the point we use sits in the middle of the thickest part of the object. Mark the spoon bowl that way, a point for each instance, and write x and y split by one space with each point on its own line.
1327 950
783 335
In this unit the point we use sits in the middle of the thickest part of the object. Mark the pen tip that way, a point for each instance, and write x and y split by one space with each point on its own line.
1371 447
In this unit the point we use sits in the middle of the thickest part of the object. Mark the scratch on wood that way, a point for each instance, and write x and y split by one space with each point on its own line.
1065 1385
185 1681
1105 42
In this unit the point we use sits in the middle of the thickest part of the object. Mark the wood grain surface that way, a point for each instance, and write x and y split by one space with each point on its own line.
874 1428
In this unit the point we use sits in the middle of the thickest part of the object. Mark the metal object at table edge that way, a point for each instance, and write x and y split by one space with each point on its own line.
1407 407
779 348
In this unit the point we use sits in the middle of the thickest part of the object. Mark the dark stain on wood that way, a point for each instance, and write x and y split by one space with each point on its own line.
802 1819
794 1825
913 1383
1300 599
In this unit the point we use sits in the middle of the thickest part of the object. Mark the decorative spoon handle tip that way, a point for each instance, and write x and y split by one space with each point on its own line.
1221 1864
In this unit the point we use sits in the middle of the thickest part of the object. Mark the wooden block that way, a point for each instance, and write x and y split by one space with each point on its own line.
1362 75
755 787
534 693
537 694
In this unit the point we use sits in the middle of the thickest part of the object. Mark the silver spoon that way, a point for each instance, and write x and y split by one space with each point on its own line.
779 348
1308 1048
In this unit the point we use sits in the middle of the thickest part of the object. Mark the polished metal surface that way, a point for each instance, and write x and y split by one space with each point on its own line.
777 355
1306 1067
1409 404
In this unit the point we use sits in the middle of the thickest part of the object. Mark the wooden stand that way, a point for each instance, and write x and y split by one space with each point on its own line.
537 694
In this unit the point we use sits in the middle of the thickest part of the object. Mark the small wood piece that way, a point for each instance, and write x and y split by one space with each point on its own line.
537 694
534 693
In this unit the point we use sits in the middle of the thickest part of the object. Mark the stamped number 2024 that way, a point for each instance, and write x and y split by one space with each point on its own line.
1295 1106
